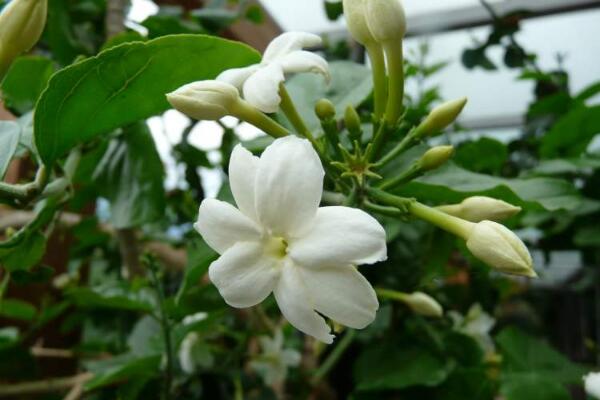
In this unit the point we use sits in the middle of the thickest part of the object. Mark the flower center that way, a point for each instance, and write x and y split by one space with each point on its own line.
276 246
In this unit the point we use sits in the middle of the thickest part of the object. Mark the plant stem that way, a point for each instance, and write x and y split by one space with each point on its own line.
165 326
290 111
395 63
246 112
379 79
401 147
411 173
334 356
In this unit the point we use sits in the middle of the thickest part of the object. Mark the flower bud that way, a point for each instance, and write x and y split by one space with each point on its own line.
355 12
423 304
325 110
479 208
441 117
386 20
500 248
21 25
205 100
352 122
436 157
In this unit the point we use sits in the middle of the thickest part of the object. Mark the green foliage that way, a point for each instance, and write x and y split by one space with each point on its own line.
130 175
25 81
10 133
125 84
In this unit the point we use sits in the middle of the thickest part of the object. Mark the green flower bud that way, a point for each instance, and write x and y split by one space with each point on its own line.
479 208
423 304
500 248
436 157
325 110
21 25
386 20
352 121
355 12
205 100
441 117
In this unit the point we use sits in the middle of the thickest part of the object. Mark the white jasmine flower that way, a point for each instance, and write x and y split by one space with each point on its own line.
274 360
280 241
592 384
259 83
477 324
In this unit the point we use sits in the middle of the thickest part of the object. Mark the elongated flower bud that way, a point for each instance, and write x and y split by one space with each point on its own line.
479 208
423 304
441 117
436 157
21 25
386 20
352 121
205 100
355 12
500 248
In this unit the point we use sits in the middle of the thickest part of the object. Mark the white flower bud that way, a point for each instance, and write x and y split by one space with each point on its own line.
386 20
21 25
205 100
423 304
441 117
592 384
355 12
500 248
480 208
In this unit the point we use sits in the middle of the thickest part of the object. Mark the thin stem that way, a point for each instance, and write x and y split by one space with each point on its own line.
379 79
413 172
390 294
382 210
246 112
292 114
395 63
378 141
334 356
165 326
401 147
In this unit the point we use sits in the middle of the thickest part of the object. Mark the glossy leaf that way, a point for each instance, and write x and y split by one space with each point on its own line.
10 133
125 84
25 81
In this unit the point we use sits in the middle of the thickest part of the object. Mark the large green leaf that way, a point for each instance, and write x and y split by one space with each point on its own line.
533 387
10 132
122 368
125 84
571 135
25 81
130 176
351 84
451 184
388 367
113 296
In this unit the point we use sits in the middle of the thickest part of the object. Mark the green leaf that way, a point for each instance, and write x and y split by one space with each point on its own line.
588 236
17 309
334 9
388 366
10 133
146 338
25 81
451 184
130 176
121 369
113 296
165 24
533 387
8 336
126 84
200 256
527 357
564 166
572 134
351 84
27 254
484 155
473 381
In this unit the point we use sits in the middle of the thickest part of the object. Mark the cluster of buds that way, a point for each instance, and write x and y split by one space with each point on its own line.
21 25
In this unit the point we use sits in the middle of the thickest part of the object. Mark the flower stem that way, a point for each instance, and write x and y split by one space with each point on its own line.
401 147
290 111
411 173
334 356
379 79
395 62
246 112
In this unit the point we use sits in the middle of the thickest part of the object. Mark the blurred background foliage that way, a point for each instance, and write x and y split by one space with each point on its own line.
76 284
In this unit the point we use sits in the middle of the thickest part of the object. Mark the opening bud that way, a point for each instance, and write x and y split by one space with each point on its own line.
436 157
205 100
325 110
352 122
21 25
423 304
441 117
500 248
480 208
386 20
